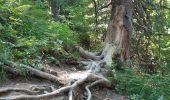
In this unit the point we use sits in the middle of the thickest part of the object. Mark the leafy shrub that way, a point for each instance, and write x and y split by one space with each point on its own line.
140 85
29 35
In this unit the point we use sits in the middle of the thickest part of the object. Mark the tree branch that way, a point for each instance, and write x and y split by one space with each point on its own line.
105 6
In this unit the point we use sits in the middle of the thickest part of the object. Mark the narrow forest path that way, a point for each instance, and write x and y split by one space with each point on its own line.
20 82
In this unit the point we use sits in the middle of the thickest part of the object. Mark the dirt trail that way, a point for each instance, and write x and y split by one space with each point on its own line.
98 93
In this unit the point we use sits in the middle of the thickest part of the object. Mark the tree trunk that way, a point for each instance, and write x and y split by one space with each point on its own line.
54 9
118 32
96 16
117 37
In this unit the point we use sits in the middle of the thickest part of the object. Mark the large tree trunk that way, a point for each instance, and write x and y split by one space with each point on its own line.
120 31
117 37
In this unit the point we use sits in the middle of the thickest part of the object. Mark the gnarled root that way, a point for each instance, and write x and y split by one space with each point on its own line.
11 67
90 77
92 84
93 76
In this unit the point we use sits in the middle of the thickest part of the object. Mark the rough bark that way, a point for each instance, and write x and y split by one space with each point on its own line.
126 28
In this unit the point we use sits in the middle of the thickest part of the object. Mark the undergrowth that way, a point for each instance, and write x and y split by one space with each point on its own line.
142 86
29 35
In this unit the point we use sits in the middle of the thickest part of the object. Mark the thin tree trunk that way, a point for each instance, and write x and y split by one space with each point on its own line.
96 16
54 9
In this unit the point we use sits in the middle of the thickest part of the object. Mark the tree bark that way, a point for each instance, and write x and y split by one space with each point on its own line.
96 16
54 9
120 32
116 41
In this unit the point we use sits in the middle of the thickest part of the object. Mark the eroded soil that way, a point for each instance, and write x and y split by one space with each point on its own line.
15 81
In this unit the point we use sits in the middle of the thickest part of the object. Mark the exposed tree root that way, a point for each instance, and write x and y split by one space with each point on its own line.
31 95
70 95
9 90
92 84
90 77
87 55
11 67
95 67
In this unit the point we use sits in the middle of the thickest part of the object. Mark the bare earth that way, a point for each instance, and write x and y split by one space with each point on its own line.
14 81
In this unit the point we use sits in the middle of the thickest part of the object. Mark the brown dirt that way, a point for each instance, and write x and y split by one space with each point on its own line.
13 81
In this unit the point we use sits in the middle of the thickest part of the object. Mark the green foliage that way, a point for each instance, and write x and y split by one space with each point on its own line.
111 73
112 66
29 35
4 55
22 70
142 86
2 74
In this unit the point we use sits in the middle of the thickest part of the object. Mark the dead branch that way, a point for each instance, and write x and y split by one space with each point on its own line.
105 6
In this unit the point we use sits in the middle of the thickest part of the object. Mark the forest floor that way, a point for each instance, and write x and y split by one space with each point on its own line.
17 81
